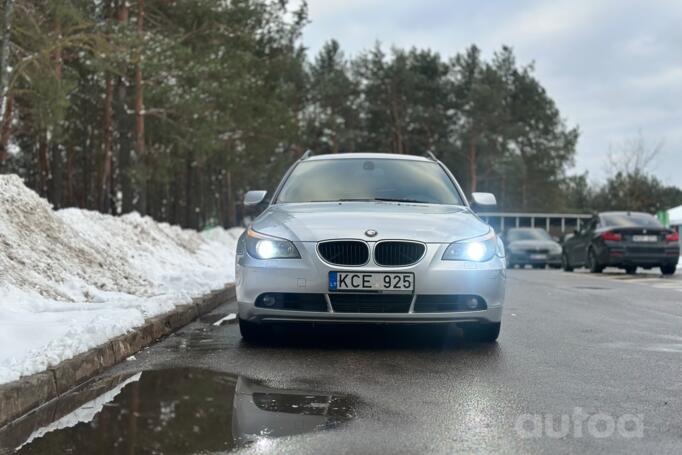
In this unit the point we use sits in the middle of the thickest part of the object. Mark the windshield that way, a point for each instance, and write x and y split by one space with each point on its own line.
369 179
631 219
528 234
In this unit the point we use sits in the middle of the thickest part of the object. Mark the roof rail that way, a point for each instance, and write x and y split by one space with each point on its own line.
306 154
431 155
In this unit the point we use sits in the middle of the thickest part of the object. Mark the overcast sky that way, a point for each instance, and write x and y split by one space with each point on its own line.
614 67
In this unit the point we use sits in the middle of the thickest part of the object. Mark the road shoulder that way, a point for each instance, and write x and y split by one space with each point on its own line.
25 394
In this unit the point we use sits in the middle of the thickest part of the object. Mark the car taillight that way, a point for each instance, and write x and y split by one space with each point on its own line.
674 237
611 236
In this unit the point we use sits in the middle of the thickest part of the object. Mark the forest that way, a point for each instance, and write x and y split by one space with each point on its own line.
175 108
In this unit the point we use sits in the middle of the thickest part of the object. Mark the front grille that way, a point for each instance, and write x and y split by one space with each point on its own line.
433 303
292 301
398 253
344 252
535 251
371 303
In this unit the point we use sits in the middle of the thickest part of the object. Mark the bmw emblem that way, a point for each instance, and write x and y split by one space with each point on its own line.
371 233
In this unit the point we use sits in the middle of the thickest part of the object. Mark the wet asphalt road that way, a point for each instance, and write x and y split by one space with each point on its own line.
597 359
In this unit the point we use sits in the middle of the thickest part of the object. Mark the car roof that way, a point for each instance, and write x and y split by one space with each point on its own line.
367 156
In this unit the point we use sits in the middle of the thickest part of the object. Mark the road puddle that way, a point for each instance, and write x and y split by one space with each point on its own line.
174 411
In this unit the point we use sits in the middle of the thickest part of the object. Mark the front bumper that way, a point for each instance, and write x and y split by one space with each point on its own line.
309 275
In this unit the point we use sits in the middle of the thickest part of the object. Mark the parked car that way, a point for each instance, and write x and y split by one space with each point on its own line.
626 240
532 246
371 238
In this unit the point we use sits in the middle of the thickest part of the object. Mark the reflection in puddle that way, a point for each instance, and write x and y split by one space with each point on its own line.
174 411
260 411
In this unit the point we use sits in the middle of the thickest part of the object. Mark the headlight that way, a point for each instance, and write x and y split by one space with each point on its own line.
480 249
515 249
262 246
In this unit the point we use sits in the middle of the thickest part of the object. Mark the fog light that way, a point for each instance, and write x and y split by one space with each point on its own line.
472 303
269 300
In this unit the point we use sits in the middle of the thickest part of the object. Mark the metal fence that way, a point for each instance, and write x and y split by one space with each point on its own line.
556 224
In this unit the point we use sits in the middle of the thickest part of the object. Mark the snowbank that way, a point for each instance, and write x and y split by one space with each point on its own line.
70 280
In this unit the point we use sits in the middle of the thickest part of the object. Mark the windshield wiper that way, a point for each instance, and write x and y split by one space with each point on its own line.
392 199
344 200
375 199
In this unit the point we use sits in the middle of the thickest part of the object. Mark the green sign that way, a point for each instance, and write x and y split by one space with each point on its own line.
663 218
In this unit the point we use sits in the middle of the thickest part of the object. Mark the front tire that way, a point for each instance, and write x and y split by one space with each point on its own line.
565 264
252 333
668 269
630 270
593 263
485 333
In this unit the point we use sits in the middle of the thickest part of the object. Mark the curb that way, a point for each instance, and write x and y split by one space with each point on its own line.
27 393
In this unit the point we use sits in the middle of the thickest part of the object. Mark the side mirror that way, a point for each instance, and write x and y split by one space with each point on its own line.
576 232
483 199
252 198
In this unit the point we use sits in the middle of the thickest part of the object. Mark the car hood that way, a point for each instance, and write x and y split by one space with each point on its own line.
313 222
533 244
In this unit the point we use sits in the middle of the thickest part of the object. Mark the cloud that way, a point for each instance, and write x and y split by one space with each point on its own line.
552 20
613 67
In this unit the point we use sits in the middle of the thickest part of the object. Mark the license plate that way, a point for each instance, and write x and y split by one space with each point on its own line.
645 238
538 257
372 281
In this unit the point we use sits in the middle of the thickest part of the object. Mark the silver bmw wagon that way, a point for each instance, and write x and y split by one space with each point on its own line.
370 238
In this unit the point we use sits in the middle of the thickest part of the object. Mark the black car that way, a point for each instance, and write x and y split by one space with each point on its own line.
531 246
626 240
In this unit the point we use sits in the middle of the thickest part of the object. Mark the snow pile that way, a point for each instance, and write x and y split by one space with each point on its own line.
70 280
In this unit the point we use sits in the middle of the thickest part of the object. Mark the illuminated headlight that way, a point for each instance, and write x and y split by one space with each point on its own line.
480 249
262 246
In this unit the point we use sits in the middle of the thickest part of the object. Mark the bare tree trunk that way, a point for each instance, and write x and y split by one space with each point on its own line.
69 177
43 164
503 191
86 165
56 178
139 111
471 158
231 202
5 28
105 196
335 138
524 182
399 145
5 130
189 190
123 125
